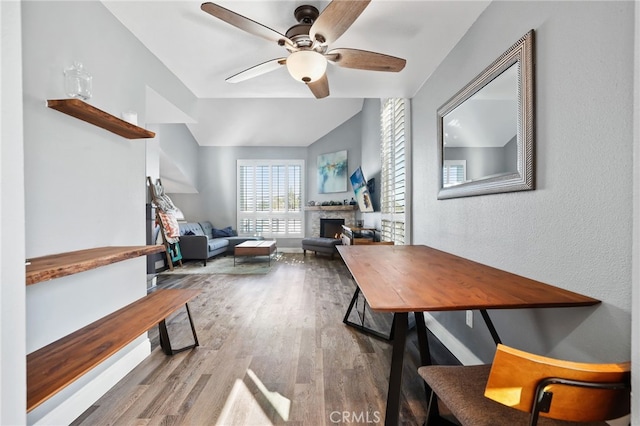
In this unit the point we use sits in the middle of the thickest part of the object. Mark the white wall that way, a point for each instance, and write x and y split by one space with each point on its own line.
84 186
574 230
12 277
180 153
635 305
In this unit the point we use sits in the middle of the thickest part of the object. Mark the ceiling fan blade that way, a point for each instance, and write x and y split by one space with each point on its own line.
320 87
365 60
335 19
257 70
245 23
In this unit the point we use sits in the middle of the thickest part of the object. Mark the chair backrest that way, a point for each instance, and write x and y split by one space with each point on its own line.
516 374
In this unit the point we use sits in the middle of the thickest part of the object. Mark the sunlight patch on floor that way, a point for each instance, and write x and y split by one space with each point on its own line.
251 403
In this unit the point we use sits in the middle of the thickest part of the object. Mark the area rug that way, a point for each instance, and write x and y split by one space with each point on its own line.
245 265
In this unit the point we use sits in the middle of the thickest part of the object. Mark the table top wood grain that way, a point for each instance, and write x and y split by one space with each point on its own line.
417 278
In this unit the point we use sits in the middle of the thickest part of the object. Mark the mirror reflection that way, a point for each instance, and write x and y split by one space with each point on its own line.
486 130
480 135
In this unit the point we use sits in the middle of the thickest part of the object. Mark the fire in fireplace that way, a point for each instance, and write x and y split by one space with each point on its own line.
331 228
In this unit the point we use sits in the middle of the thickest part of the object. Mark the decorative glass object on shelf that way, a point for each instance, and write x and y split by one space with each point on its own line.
77 82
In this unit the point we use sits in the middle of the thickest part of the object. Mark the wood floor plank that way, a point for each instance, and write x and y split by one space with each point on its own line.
264 338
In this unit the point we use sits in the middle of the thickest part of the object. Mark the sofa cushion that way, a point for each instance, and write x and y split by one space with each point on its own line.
207 228
217 243
221 233
194 227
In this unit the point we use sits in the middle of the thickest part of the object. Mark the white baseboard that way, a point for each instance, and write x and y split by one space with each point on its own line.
455 346
72 407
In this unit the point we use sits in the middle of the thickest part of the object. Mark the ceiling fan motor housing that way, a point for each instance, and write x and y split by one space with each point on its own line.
306 15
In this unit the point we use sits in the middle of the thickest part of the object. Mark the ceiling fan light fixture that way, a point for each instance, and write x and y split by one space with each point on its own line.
306 66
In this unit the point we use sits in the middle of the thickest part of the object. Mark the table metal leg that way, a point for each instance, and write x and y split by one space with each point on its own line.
423 341
361 327
351 304
490 326
165 342
425 359
395 376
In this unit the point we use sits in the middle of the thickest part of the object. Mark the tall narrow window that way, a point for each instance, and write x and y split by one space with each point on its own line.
395 145
270 194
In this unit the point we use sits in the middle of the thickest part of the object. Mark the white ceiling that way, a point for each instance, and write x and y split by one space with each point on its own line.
273 109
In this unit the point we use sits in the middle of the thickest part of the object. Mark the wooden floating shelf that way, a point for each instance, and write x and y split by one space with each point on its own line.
333 208
60 265
85 112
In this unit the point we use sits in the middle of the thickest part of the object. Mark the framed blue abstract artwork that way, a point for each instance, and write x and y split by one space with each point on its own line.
332 172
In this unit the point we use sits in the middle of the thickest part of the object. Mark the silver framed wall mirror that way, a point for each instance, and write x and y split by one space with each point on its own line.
486 130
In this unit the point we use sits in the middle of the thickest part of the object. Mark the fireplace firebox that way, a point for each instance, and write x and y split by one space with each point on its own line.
331 228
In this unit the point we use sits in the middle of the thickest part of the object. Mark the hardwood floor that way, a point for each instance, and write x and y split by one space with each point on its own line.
273 350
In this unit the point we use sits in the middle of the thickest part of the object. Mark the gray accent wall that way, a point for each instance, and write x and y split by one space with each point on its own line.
574 229
344 137
371 161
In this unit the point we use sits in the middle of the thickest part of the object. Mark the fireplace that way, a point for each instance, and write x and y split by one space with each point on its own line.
331 228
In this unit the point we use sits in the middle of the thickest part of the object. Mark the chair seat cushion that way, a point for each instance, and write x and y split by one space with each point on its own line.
461 389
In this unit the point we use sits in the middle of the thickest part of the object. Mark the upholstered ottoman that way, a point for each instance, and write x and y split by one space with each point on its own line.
321 245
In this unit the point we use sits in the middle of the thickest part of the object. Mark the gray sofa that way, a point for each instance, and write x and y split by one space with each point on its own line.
197 241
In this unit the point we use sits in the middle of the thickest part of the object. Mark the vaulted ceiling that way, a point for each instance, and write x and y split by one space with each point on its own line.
273 109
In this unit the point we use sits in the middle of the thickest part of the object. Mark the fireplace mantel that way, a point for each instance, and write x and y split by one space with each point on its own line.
332 208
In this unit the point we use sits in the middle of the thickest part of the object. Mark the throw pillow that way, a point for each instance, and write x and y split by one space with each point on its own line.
189 232
222 233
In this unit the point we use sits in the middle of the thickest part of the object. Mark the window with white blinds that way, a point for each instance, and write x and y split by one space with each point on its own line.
454 172
270 194
394 144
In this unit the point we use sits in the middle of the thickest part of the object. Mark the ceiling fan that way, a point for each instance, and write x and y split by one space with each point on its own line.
308 44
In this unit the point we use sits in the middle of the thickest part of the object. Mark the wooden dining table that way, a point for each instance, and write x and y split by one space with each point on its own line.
416 278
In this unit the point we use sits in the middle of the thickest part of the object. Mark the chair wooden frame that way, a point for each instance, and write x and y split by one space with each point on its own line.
542 387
